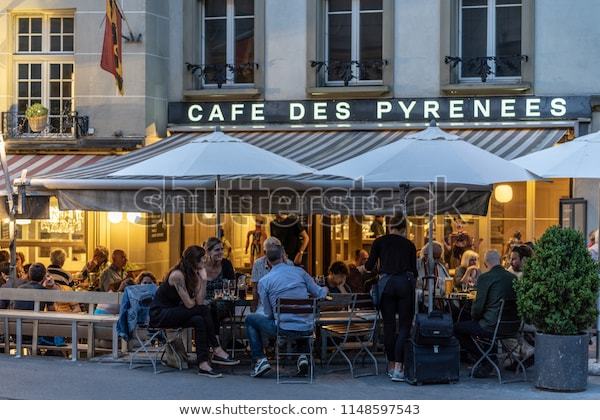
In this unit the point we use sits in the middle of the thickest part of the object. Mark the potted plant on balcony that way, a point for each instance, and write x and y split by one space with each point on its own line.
37 117
557 294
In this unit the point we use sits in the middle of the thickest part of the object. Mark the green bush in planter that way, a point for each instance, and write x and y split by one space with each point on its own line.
36 110
560 282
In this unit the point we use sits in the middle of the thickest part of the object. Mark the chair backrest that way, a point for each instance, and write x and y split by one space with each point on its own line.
508 320
337 302
306 307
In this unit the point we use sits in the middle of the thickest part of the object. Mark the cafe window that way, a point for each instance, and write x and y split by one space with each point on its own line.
228 42
547 203
490 39
508 214
354 42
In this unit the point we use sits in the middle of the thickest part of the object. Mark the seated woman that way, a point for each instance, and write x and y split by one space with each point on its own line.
468 272
145 277
337 277
179 302
218 270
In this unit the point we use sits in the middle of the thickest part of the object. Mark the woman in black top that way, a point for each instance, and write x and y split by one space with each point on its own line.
179 302
397 258
218 270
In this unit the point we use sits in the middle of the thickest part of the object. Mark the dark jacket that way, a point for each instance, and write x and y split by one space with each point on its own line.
493 286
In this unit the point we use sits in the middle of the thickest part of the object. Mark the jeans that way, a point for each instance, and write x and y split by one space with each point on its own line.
258 325
398 297
198 318
467 329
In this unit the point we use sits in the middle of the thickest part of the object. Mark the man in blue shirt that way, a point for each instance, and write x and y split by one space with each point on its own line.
283 281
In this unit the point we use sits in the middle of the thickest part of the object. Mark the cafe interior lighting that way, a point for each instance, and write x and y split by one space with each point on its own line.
503 193
115 217
23 222
134 217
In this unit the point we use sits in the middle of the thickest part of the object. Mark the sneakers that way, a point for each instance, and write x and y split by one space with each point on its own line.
262 366
302 365
209 373
397 375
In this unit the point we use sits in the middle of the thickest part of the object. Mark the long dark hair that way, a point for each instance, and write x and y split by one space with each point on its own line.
187 265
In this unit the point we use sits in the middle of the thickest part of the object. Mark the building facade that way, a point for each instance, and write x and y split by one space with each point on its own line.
317 80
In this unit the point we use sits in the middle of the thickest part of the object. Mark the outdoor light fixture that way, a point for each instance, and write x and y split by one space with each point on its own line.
503 193
115 217
23 222
134 217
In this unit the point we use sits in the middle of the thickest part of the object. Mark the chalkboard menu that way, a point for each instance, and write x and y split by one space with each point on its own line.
157 228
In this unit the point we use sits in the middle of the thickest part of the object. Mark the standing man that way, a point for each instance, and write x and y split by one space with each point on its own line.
395 291
293 237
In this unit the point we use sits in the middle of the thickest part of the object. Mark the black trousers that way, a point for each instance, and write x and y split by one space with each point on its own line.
198 318
398 297
220 310
467 329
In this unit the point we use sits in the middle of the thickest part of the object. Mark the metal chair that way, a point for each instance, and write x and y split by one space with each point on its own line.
356 334
151 342
304 307
498 344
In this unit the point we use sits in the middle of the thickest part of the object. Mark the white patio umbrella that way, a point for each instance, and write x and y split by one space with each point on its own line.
215 155
425 158
579 158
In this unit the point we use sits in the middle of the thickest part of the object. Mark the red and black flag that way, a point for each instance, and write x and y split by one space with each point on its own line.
111 50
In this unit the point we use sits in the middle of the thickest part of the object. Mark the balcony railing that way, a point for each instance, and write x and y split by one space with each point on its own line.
346 71
482 67
220 74
65 126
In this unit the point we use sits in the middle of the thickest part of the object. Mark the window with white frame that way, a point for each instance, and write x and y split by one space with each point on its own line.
354 41
44 68
228 42
490 40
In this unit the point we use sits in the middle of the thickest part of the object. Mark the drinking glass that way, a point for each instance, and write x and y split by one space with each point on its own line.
226 289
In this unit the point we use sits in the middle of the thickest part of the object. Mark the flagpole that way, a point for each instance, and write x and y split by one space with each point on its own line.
11 212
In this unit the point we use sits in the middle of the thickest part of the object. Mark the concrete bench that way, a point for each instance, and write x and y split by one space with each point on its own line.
39 323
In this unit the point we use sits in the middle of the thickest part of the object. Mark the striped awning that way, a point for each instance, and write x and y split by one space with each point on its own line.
46 165
321 149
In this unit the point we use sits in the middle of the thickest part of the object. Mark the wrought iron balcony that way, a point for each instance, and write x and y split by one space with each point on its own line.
69 125
481 65
220 74
346 71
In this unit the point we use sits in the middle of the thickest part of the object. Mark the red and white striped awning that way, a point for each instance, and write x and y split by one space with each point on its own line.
38 165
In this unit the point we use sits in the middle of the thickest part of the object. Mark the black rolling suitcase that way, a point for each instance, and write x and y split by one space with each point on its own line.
432 354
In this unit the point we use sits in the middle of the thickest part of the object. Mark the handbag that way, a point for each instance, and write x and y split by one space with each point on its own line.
175 354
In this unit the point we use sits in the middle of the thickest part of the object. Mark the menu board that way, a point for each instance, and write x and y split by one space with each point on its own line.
157 228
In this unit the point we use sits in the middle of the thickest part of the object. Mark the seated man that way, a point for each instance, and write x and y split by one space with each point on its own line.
112 277
494 285
518 256
37 279
261 268
357 272
283 281
97 264
337 278
57 260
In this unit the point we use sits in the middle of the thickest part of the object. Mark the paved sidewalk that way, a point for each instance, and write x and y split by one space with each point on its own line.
55 378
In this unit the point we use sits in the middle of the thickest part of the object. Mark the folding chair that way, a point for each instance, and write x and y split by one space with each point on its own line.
356 334
498 346
152 342
305 307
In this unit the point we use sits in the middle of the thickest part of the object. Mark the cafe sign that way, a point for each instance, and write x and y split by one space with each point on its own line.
478 109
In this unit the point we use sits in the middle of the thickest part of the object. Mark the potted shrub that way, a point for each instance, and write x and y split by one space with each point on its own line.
558 294
37 116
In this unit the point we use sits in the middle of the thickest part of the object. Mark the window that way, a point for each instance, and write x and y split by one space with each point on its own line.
354 41
228 42
490 40
45 34
44 69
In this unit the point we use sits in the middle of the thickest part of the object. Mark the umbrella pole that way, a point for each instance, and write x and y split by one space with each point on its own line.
430 259
218 207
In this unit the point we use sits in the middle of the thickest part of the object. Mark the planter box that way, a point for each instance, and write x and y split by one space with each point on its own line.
37 124
561 362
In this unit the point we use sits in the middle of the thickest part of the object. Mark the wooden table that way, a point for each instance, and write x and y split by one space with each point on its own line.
337 318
